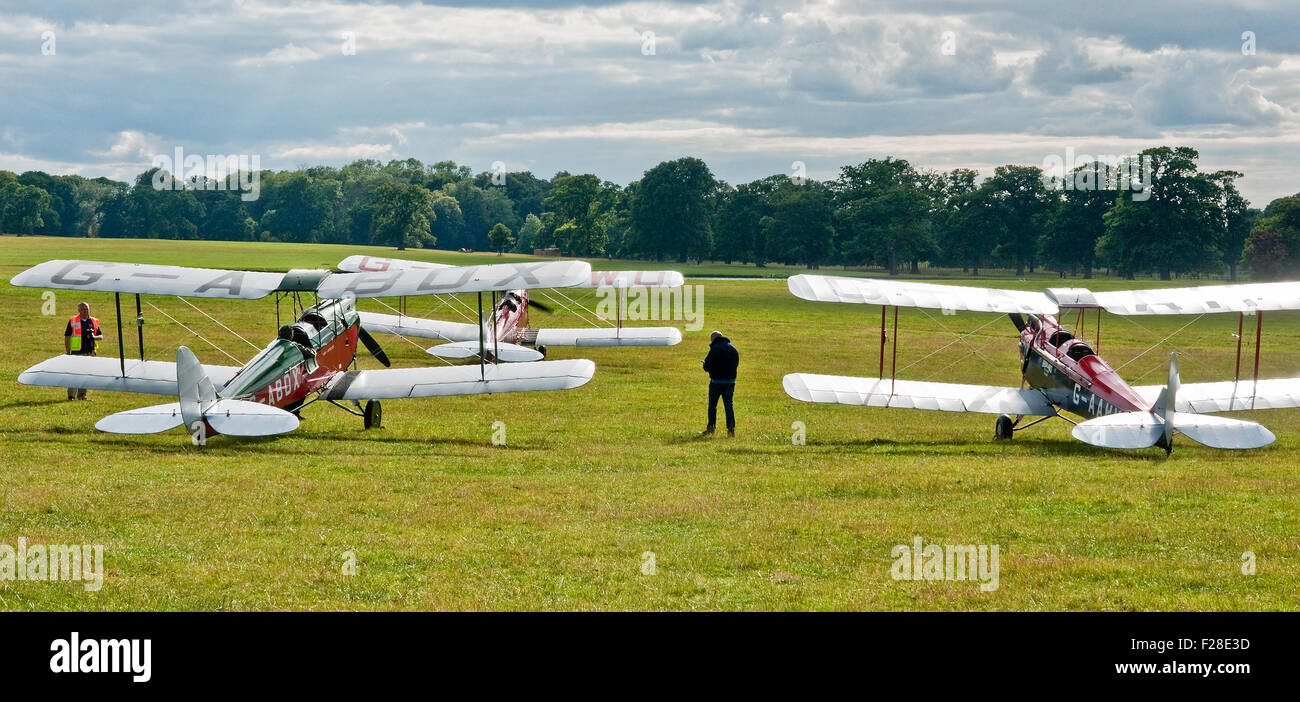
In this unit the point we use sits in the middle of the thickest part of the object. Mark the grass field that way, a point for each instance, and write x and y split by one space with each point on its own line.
591 479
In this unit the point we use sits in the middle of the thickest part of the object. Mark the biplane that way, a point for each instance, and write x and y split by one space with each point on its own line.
309 359
506 335
1062 373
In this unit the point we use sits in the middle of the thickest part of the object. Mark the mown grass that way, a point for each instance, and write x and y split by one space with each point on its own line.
591 479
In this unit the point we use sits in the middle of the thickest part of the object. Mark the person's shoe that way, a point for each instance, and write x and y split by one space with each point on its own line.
731 433
708 431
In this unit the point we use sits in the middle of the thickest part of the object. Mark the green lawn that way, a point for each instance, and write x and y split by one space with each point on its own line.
439 518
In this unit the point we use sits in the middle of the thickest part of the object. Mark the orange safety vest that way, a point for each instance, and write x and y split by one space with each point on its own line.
75 341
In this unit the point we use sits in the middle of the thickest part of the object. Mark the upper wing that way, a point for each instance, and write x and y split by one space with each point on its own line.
375 264
150 279
456 279
417 327
102 373
460 380
1274 393
633 279
914 394
1251 297
599 279
870 291
610 336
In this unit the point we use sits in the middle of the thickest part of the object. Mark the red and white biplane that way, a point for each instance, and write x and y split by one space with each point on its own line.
1062 373
308 361
505 334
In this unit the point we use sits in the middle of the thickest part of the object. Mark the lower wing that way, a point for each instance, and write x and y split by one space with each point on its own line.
610 336
418 328
914 394
104 373
1274 393
460 380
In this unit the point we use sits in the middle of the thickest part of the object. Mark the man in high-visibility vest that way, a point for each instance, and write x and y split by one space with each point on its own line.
79 340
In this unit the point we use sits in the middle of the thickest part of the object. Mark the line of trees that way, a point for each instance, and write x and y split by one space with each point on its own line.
1174 220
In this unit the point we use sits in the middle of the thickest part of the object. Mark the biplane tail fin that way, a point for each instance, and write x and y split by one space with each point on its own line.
198 404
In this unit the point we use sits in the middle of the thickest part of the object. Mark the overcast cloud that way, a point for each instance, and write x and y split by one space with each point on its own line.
750 87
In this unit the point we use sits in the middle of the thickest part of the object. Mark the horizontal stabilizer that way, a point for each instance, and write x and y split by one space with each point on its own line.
242 418
1126 430
1222 432
511 353
610 336
915 394
145 420
389 383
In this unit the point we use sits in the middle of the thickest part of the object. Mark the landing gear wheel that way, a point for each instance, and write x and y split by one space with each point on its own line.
374 414
542 350
1004 427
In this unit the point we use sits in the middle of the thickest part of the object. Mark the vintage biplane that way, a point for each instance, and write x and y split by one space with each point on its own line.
310 358
1062 373
506 335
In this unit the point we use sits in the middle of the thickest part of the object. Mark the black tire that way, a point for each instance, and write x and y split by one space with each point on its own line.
1004 428
542 350
374 414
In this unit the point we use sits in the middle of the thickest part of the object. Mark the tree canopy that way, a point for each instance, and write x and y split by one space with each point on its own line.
1170 219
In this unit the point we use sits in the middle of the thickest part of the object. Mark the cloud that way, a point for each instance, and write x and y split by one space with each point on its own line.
289 53
326 153
132 144
1066 64
1192 89
750 85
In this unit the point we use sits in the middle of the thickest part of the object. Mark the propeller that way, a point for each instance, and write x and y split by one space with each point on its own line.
373 346
538 305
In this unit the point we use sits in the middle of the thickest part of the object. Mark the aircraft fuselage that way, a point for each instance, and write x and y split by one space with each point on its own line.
1070 373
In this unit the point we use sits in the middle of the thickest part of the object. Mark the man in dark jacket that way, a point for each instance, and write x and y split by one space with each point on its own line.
721 364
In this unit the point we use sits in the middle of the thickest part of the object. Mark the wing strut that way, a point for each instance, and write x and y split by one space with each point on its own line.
482 351
1259 332
121 349
1259 328
139 324
1241 320
893 363
881 373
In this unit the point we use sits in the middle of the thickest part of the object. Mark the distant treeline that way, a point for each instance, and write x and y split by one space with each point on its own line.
883 212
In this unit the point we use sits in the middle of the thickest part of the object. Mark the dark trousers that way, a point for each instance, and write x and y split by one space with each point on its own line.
725 391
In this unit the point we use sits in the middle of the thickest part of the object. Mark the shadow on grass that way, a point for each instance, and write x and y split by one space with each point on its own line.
330 445
34 403
947 447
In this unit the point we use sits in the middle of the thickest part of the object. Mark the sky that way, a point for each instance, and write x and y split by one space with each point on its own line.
612 88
